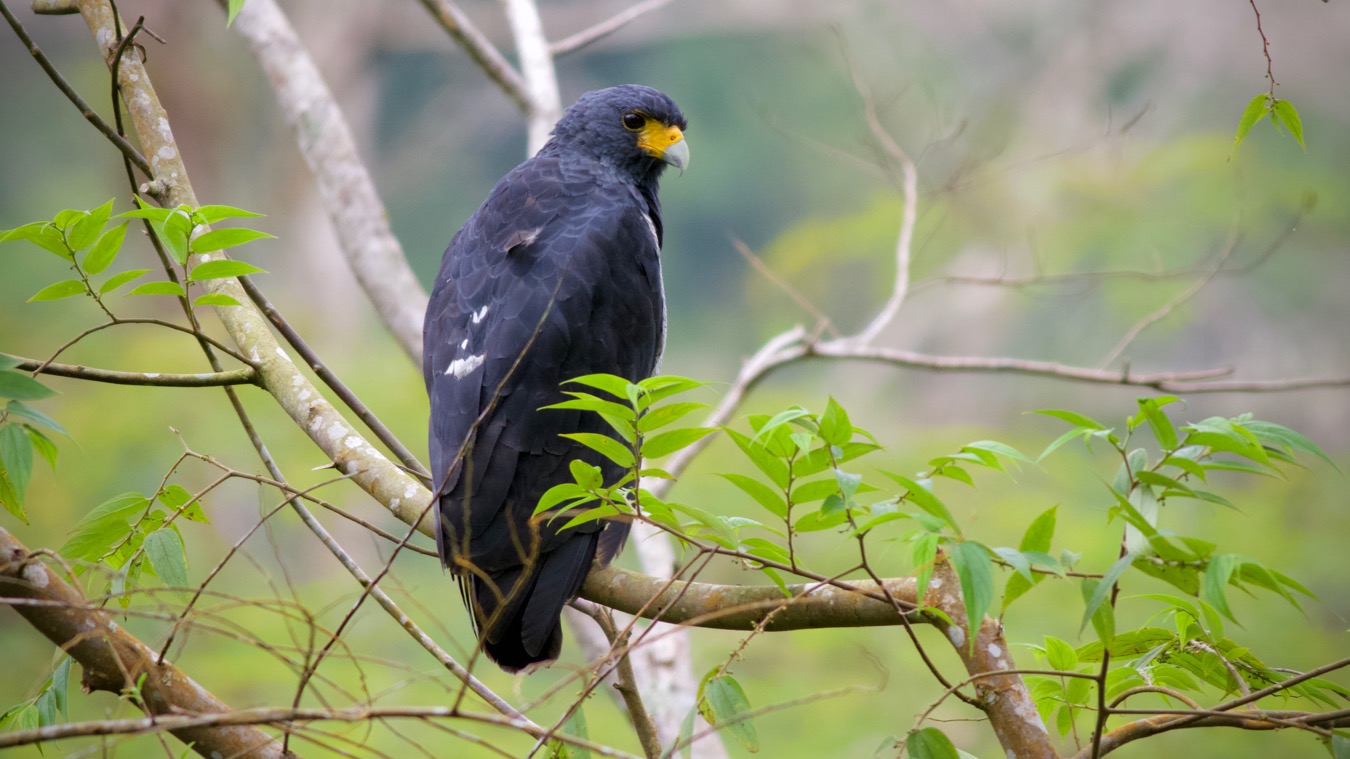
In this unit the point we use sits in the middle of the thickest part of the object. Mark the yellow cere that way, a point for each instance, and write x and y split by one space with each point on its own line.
656 138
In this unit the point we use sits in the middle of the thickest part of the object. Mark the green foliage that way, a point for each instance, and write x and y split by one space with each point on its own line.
930 743
1281 113
723 703
80 238
46 708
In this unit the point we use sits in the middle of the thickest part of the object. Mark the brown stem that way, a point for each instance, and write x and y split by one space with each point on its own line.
114 660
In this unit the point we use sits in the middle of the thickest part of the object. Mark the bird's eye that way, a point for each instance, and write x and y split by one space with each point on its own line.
633 121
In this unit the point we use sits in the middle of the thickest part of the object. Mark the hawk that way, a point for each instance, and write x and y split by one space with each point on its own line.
557 275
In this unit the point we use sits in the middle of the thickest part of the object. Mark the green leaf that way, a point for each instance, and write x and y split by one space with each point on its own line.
1277 435
763 494
42 444
220 239
164 548
15 408
1104 618
1217 575
1284 112
222 269
1256 109
1060 655
159 288
666 443
42 234
117 280
174 231
725 705
772 467
105 249
1151 409
605 446
930 743
16 458
835 427
586 402
662 386
11 499
211 214
924 499
615 386
975 570
1074 418
63 289
232 9
1340 746
118 508
21 387
1104 587
61 685
215 299
661 416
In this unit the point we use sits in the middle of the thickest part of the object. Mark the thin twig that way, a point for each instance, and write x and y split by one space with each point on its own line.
90 115
331 379
245 376
479 48
605 28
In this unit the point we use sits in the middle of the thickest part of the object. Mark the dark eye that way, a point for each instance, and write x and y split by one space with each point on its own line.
633 121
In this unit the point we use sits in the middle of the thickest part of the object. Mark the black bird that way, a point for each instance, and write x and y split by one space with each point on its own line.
557 275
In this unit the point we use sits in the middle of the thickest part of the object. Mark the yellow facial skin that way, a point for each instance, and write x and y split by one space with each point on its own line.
664 142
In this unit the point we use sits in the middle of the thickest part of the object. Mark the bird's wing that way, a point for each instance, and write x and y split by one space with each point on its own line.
549 280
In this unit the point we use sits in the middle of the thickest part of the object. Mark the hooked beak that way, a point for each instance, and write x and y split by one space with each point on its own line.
666 143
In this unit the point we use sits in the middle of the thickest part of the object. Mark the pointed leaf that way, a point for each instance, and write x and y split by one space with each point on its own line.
158 288
1284 112
605 446
1256 109
215 299
63 289
105 249
164 548
21 387
975 570
210 214
930 743
666 443
1103 587
222 269
117 280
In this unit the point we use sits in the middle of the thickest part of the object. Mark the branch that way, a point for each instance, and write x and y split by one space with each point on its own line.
480 49
605 28
536 65
811 606
244 376
86 110
249 329
247 717
345 188
113 660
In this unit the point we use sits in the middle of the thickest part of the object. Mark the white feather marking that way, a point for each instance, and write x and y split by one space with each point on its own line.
464 345
460 367
651 227
479 314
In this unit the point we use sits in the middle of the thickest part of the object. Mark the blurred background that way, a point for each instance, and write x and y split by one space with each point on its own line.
1052 137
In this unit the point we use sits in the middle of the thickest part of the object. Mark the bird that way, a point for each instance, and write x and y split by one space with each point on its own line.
556 275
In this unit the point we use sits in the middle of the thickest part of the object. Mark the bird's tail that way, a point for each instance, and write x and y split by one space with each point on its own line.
517 611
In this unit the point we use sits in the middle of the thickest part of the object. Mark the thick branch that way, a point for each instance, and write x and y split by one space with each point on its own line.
245 376
114 660
536 65
345 188
249 329
744 607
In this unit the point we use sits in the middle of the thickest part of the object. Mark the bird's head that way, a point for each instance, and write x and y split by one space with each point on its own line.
635 128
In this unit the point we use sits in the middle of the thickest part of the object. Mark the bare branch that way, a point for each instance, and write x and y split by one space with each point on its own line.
247 717
745 607
244 376
345 188
113 659
605 28
90 115
462 30
536 65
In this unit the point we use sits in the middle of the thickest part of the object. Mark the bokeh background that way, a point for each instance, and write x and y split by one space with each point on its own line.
1052 138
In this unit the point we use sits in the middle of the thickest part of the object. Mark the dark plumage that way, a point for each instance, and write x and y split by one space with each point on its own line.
557 275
